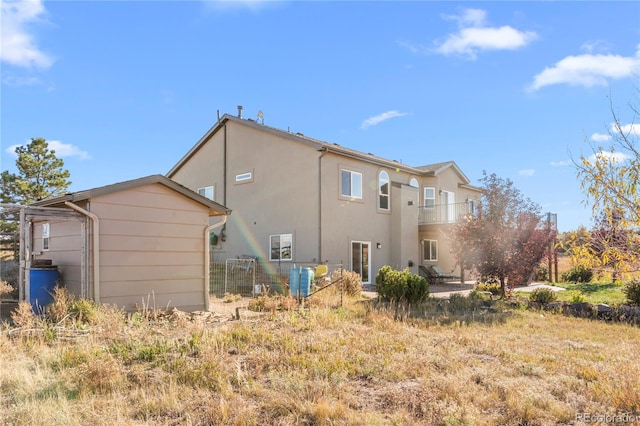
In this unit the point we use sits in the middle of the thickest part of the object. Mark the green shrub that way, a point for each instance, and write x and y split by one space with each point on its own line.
578 274
542 295
401 286
493 288
632 291
577 297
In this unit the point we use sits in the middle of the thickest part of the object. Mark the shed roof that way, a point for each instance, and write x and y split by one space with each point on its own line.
215 209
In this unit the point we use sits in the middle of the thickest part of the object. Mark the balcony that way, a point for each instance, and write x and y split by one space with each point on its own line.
445 213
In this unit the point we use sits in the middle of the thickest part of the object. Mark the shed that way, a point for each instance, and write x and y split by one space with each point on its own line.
146 244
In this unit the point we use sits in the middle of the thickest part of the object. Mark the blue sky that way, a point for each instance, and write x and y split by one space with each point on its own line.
123 89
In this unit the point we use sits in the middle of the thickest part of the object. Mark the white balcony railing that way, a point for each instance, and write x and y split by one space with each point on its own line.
445 213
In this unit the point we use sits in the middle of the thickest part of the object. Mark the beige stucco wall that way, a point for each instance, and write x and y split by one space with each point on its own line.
295 189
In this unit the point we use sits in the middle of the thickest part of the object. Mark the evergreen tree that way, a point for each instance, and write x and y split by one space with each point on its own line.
41 174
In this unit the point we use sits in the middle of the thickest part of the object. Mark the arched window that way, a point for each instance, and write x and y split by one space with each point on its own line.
383 190
414 182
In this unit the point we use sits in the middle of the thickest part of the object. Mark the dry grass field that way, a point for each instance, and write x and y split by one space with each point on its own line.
324 365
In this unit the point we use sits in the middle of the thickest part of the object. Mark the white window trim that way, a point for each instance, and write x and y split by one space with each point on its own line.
380 194
368 244
352 173
203 191
424 197
280 259
431 243
46 236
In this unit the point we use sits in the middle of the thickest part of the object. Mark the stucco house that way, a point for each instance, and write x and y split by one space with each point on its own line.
298 199
146 243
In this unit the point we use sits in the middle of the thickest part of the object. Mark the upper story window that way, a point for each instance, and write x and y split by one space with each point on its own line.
472 208
45 236
429 197
383 190
414 183
207 191
350 184
281 247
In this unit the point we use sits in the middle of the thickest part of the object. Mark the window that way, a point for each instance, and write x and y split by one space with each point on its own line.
244 177
351 184
448 201
281 247
45 236
383 191
471 207
429 198
207 191
413 182
429 250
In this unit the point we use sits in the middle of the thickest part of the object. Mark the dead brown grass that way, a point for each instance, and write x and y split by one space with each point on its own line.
322 365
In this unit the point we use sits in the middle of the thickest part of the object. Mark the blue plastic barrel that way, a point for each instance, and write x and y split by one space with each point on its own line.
42 281
300 281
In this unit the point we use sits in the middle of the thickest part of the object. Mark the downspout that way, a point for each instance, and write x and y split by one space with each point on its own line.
207 260
96 248
324 151
224 170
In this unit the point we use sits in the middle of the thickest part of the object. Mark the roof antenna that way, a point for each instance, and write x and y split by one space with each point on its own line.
239 111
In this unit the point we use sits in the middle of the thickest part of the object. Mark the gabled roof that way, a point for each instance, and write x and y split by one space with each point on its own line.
215 209
437 168
298 137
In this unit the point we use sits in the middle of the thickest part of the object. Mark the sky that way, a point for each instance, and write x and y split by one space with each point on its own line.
123 89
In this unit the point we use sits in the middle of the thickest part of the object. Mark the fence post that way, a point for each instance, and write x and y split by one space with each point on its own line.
341 284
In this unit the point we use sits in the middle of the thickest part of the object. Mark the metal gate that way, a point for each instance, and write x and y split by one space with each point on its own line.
240 277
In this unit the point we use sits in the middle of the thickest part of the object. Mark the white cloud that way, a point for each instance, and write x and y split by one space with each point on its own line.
62 150
600 137
629 129
469 17
17 44
372 121
561 163
614 157
233 5
474 36
588 70
527 172
20 81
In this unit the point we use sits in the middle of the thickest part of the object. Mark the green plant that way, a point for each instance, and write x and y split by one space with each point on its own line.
491 287
578 274
632 291
577 297
543 295
401 286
